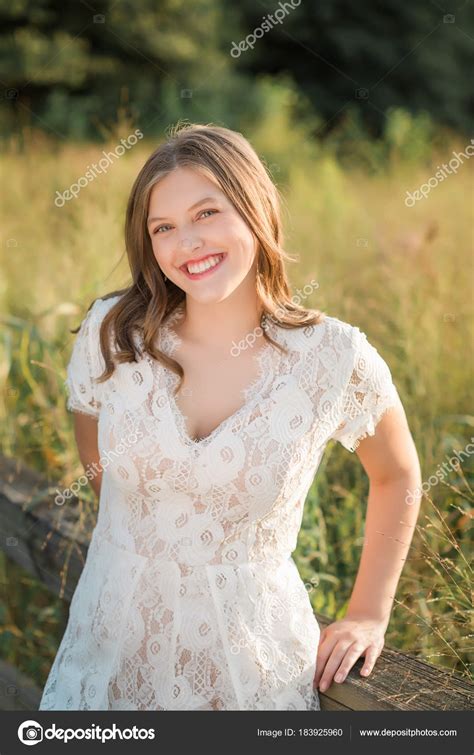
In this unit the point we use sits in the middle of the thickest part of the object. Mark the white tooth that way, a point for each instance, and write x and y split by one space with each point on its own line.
206 265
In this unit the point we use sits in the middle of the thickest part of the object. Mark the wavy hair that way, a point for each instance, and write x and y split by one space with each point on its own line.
226 158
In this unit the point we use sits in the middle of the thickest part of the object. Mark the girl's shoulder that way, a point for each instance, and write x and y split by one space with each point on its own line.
329 333
101 306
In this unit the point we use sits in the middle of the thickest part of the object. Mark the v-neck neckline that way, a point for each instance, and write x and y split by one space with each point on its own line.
169 343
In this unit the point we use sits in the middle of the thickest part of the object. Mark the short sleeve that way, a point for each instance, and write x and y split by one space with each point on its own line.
85 365
368 394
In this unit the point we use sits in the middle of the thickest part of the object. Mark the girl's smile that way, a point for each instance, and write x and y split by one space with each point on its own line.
205 267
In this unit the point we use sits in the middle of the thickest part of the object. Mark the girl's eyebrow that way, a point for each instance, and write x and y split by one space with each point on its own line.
196 204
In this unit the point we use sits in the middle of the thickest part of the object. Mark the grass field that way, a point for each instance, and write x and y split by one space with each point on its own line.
403 275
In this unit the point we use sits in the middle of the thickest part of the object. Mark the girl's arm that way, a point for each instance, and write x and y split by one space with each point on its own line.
85 430
390 459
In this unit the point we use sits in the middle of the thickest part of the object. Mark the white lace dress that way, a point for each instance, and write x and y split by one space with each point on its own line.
189 598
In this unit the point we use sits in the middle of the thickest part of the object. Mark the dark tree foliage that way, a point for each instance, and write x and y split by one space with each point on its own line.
69 67
372 55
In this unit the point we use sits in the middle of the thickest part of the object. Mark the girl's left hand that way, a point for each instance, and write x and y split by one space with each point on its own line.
342 643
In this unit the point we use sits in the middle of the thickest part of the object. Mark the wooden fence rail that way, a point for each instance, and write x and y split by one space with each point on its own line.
40 536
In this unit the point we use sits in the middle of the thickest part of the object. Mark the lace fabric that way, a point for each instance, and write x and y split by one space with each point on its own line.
189 598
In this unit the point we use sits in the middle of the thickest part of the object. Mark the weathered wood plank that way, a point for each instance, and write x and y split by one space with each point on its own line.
400 681
43 537
37 534
17 691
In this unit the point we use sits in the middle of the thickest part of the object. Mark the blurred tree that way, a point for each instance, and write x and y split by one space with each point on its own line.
368 57
69 67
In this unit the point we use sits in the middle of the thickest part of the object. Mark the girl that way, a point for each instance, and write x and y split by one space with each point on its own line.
204 396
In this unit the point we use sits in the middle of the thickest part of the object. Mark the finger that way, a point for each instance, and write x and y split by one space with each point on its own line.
332 665
325 649
322 657
322 638
371 656
352 655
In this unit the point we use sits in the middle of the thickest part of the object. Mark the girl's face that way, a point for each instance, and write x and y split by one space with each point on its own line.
190 219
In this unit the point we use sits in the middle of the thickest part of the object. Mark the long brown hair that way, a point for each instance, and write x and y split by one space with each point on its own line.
227 159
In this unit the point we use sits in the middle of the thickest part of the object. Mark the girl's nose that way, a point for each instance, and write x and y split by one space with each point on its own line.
189 242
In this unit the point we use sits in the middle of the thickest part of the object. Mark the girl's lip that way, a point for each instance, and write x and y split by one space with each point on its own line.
196 276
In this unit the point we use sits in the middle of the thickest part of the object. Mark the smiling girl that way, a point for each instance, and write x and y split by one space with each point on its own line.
224 394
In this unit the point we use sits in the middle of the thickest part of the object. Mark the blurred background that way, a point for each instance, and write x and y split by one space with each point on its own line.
363 116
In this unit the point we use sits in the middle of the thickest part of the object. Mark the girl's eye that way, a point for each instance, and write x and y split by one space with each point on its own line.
204 211
160 227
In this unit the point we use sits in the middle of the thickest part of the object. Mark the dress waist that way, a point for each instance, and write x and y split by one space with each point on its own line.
188 556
